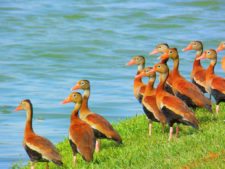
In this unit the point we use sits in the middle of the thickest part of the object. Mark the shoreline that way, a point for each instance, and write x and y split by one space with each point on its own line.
193 149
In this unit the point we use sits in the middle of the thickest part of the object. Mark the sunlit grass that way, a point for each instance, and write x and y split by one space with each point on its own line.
203 148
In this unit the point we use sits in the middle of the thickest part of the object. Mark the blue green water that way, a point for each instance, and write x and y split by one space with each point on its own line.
47 46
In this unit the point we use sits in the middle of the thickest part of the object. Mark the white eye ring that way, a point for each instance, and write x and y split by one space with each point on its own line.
82 83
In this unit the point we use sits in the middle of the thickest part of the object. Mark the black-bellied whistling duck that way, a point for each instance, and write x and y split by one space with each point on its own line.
185 90
175 110
81 135
39 149
215 85
161 48
220 48
198 72
149 101
139 86
102 128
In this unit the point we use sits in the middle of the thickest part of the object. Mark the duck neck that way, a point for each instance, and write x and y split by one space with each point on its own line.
211 67
162 81
86 95
164 61
198 62
149 86
74 114
140 67
138 81
29 114
175 66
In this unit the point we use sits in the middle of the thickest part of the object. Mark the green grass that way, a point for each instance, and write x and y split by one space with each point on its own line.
200 149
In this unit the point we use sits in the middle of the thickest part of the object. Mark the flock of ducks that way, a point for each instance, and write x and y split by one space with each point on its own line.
175 98
85 131
173 101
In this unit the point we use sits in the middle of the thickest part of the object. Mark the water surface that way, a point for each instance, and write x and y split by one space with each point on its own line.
46 47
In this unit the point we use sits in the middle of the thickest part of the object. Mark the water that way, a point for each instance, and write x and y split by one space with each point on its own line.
46 47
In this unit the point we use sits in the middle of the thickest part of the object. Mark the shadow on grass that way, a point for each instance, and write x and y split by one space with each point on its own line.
210 157
208 118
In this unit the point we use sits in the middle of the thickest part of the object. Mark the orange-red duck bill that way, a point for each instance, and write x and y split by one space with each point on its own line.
203 56
155 51
153 70
220 48
163 56
77 86
19 108
67 100
189 47
131 62
140 75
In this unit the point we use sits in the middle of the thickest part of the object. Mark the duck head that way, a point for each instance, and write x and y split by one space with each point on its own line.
147 72
208 54
24 105
194 45
160 68
221 46
169 53
137 60
82 84
74 97
160 48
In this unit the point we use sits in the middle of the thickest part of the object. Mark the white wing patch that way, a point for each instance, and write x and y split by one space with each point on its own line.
35 148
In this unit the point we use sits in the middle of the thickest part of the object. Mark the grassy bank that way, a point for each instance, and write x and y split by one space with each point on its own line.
203 148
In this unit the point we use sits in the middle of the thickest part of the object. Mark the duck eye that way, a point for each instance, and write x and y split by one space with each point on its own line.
159 66
171 52
82 83
194 44
208 52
